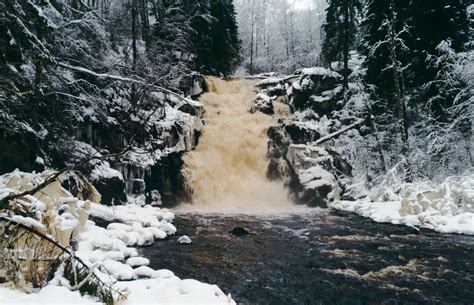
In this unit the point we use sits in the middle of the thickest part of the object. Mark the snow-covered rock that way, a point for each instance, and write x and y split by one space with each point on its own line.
144 272
137 261
317 89
184 240
118 270
262 102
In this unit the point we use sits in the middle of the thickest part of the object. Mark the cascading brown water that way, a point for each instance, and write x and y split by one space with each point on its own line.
227 170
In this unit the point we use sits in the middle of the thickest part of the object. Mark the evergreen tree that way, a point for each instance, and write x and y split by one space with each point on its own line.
431 23
200 35
340 33
201 22
225 40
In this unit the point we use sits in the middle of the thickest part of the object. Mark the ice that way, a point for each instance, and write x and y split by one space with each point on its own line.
446 208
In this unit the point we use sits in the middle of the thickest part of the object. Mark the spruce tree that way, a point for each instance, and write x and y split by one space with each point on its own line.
340 32
201 24
432 23
225 40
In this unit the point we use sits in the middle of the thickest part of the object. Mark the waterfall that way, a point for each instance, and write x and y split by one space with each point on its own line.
227 170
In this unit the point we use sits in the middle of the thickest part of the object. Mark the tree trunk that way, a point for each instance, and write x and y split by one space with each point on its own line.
145 22
133 94
251 37
398 82
399 91
346 46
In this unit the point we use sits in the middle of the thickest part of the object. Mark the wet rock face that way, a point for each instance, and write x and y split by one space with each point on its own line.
112 190
193 84
168 180
19 151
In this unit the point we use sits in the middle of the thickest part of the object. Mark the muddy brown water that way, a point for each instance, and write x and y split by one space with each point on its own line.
325 257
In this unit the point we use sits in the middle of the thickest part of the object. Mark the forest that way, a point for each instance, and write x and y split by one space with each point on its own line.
284 151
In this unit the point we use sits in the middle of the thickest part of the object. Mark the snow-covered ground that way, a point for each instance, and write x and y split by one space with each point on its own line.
108 251
446 208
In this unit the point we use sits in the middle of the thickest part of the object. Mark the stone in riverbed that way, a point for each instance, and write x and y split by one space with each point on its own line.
239 231
185 240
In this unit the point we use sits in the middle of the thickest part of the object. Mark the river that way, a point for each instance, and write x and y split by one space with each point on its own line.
320 257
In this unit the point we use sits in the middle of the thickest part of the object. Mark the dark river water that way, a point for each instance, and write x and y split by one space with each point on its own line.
324 257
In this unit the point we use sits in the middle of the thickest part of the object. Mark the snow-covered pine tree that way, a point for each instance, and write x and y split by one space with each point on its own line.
387 57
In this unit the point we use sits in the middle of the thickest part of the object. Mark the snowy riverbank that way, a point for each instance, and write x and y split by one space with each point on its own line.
445 208
109 252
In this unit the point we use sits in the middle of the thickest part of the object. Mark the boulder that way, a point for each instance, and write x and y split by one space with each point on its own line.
193 84
262 103
239 231
184 240
317 88
167 178
300 134
319 174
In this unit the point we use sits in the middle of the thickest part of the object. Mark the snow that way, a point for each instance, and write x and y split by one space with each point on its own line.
172 290
138 261
320 71
107 251
50 294
269 81
315 177
184 240
144 271
28 221
445 208
118 270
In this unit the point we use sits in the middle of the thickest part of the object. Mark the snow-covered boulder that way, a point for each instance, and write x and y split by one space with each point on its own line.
184 240
262 102
272 86
316 88
319 174
112 189
80 187
137 261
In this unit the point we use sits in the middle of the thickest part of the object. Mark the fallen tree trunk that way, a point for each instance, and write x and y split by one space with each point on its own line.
341 131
